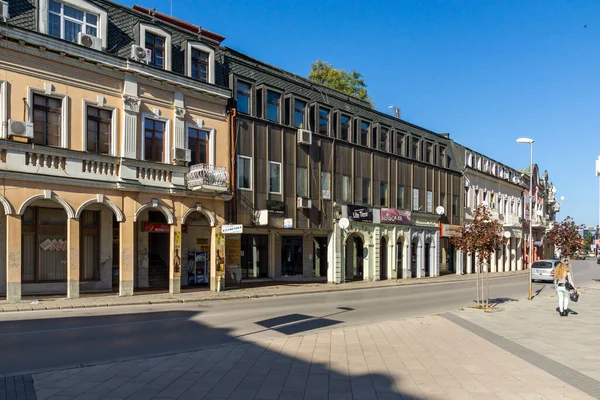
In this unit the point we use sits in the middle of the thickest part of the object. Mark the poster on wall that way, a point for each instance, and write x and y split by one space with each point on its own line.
233 256
393 216
220 249
360 214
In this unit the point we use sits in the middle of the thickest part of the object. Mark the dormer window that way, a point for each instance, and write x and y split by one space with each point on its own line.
158 41
67 19
200 62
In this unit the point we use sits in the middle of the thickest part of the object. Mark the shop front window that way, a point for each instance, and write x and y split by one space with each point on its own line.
254 256
291 256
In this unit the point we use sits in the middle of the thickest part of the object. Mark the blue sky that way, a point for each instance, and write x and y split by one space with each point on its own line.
487 72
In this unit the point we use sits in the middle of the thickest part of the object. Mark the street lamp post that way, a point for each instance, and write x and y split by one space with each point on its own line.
530 142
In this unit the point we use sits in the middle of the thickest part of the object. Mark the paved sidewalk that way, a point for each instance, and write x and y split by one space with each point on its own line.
417 358
290 288
567 347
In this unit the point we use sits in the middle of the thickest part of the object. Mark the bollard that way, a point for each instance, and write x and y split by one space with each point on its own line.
219 283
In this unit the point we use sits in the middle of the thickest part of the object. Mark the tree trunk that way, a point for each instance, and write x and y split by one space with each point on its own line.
482 286
477 279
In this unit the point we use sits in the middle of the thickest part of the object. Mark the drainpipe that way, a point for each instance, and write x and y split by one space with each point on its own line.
232 163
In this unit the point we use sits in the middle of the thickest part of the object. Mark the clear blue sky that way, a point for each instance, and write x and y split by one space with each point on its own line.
487 72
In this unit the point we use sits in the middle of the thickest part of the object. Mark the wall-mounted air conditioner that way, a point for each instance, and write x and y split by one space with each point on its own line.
304 136
302 203
181 155
141 54
20 129
89 41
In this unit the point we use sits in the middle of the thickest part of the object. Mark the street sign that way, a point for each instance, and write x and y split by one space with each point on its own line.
232 228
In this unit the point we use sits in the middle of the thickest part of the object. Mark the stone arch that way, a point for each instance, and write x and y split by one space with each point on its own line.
155 204
366 238
6 205
198 208
48 195
100 199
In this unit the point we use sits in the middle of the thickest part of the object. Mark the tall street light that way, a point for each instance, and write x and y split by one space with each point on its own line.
530 142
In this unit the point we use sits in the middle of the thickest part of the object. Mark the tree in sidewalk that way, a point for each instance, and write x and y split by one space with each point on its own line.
565 238
351 83
481 236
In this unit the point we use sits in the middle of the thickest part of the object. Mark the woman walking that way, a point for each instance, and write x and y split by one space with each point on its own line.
562 276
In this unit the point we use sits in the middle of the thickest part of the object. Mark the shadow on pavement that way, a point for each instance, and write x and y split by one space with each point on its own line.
174 354
499 300
537 292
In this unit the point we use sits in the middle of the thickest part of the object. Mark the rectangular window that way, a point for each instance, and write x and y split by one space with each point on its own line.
414 148
200 65
47 117
364 133
476 199
443 201
415 205
90 245
492 201
400 137
429 202
273 100
299 114
325 185
243 97
366 191
467 199
346 189
65 22
154 137
323 121
442 155
374 134
244 172
157 45
400 195
99 130
198 145
345 131
384 139
301 182
455 205
429 153
274 177
383 194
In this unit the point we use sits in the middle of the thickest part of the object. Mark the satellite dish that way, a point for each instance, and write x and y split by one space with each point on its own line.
344 223
439 210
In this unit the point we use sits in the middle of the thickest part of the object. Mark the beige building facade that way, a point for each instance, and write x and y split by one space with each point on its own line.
114 173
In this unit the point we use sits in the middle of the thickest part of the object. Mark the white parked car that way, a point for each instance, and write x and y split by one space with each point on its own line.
543 270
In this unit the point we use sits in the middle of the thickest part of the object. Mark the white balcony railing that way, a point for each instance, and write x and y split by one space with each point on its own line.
207 177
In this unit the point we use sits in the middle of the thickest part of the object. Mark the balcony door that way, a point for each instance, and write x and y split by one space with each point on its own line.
198 145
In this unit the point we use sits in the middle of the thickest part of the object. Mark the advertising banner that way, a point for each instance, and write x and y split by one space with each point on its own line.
448 230
393 216
360 214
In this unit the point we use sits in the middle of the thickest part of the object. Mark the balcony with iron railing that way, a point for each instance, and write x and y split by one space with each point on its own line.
207 178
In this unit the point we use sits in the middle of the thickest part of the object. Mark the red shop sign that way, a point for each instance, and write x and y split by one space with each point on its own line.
155 227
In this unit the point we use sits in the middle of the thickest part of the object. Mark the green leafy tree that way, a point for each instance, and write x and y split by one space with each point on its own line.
589 239
481 236
565 238
351 83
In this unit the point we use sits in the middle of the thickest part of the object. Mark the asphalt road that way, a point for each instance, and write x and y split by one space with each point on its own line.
38 340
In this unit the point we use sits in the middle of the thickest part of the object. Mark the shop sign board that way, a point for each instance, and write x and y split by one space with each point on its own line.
447 230
393 216
360 214
156 227
232 229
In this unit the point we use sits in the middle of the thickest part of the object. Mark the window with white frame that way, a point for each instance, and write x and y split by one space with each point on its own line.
65 19
154 139
200 61
198 143
49 114
274 177
244 173
99 130
159 42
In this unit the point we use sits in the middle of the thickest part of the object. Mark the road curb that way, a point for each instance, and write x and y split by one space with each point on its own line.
337 288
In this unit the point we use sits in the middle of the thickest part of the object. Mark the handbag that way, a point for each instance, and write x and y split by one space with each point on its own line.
568 286
574 296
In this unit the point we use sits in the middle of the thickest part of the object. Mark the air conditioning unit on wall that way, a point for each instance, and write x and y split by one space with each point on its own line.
89 41
302 203
179 154
141 54
304 137
20 129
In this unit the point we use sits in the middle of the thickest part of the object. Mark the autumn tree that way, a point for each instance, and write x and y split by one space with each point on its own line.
351 83
481 236
565 238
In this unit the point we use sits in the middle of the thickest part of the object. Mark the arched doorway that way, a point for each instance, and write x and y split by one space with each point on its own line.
400 260
428 258
195 250
383 273
354 258
413 258
153 249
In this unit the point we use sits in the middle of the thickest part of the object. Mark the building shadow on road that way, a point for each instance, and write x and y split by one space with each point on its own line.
175 354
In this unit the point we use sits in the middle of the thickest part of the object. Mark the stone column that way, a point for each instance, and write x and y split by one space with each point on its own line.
469 263
507 253
13 258
126 249
131 109
179 120
436 250
175 258
519 254
213 262
73 268
493 265
408 259
513 254
501 258
458 262
376 258
421 254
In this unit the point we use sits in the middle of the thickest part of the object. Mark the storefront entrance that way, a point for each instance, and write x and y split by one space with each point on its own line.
413 259
383 275
320 264
195 250
354 258
427 259
400 261
254 256
158 252
291 256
